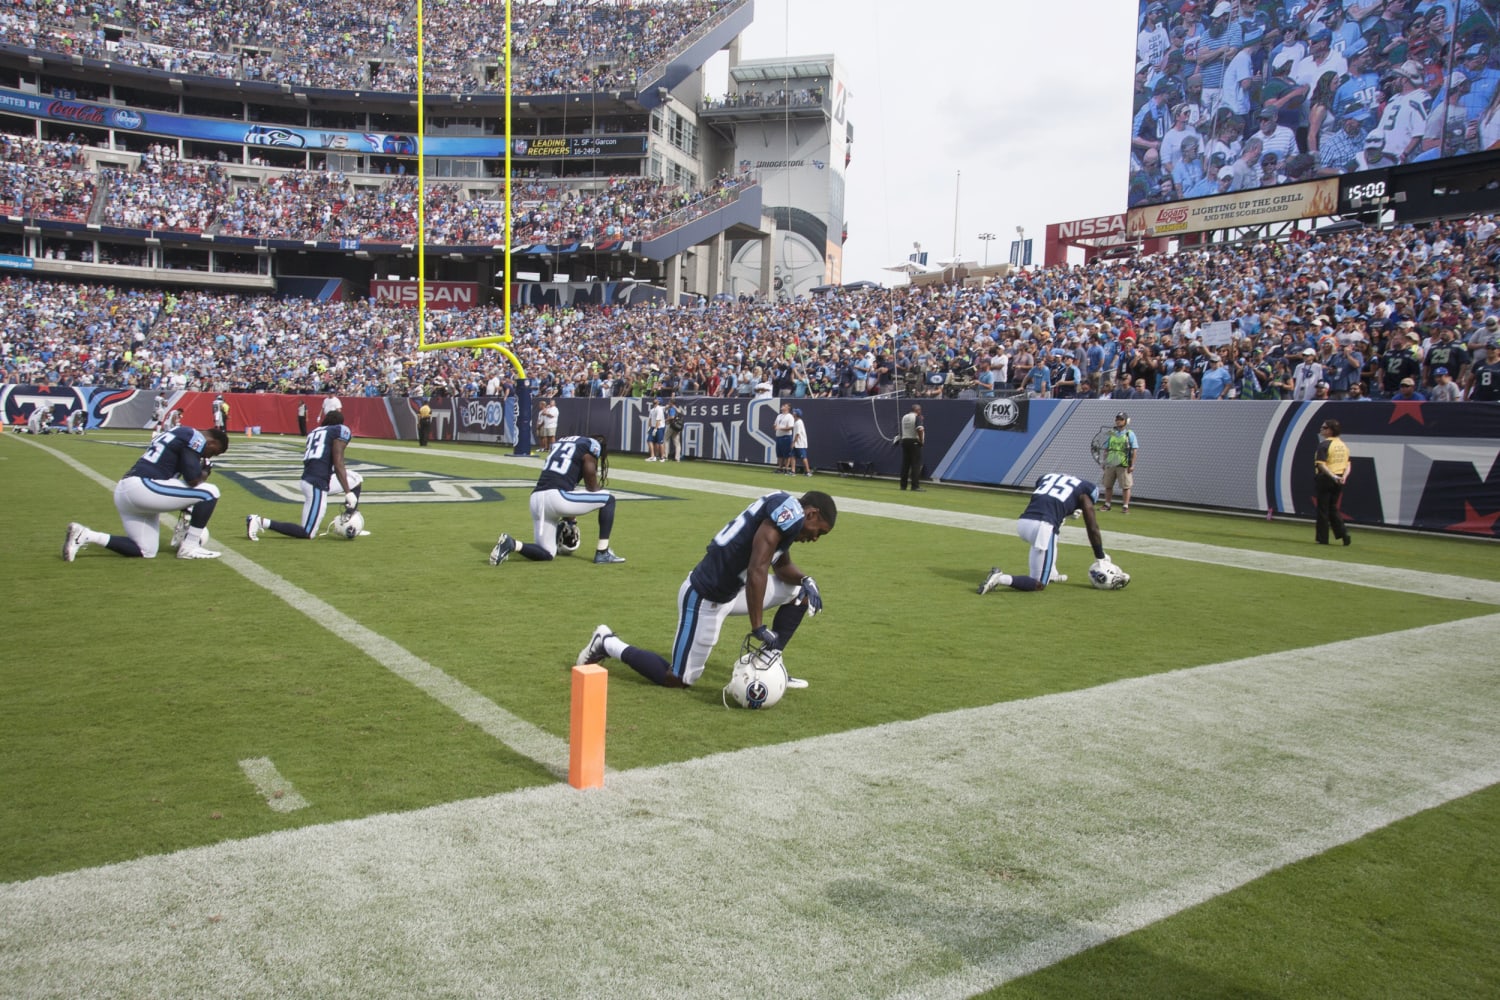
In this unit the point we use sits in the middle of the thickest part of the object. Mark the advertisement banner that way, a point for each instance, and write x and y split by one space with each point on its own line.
1246 208
1002 413
461 295
279 136
554 146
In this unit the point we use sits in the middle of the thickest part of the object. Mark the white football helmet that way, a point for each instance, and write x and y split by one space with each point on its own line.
1105 575
568 535
759 678
347 526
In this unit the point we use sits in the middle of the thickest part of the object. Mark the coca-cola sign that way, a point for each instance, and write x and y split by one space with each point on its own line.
440 294
84 114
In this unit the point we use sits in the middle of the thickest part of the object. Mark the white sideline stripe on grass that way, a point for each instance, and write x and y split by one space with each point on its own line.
1405 581
935 858
276 790
516 733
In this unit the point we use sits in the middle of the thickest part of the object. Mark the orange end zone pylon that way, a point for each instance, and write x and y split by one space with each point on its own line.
586 727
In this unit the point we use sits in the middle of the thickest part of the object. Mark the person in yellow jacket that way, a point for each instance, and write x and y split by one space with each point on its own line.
424 424
1330 475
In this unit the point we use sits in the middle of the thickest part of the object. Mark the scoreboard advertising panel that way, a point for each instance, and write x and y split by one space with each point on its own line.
1236 96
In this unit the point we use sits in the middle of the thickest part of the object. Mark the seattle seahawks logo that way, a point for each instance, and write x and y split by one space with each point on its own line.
1001 412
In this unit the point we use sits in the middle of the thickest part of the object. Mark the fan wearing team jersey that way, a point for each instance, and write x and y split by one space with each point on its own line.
557 497
324 474
746 569
1055 497
169 476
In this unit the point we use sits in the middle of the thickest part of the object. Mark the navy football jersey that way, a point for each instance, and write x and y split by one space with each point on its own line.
317 457
564 466
720 574
1056 496
178 452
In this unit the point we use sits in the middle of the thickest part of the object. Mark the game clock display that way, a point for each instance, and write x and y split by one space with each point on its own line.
1365 189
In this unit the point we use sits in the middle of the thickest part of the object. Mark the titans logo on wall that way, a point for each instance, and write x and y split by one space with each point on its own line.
1434 465
20 400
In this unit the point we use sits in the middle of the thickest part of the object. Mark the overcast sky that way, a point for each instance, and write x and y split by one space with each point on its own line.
1029 101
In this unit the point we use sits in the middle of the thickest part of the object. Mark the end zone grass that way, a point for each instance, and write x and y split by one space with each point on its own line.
137 687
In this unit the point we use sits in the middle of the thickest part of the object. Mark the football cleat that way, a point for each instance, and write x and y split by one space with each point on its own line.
607 556
1058 578
73 541
594 651
504 546
795 682
992 581
180 529
196 552
252 527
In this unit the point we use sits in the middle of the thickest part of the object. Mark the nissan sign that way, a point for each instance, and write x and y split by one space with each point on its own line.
440 294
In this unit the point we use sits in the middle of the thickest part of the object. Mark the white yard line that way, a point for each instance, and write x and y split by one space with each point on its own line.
276 790
935 858
516 733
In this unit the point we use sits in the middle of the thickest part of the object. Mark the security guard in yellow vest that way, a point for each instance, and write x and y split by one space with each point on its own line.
1331 474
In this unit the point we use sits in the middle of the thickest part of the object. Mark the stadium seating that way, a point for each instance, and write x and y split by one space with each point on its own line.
1313 292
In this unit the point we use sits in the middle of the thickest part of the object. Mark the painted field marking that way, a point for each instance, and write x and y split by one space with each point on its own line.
932 859
520 736
276 790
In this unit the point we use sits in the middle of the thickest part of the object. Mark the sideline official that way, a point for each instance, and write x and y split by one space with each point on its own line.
1331 474
913 436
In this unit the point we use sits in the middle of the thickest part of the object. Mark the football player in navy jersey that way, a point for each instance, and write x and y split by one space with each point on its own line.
1055 497
323 474
746 569
557 497
169 476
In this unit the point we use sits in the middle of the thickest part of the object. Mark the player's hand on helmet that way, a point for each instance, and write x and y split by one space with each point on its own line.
351 501
763 635
814 598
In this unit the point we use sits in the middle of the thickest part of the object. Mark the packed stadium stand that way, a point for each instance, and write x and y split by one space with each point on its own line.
1403 302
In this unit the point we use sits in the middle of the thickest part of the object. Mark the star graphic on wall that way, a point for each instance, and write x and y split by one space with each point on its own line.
1412 408
1475 523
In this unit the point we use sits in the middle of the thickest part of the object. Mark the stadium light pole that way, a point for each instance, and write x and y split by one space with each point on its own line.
986 237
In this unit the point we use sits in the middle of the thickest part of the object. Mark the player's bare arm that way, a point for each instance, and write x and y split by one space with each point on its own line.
337 452
762 550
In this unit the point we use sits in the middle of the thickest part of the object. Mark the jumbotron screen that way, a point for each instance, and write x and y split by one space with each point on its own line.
1234 95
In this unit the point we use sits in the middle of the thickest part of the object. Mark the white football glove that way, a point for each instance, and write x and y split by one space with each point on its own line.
350 501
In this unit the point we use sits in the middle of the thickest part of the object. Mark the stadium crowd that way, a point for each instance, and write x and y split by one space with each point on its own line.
558 47
52 180
1233 95
1404 313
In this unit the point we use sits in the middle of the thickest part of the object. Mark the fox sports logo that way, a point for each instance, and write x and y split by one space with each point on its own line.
1001 412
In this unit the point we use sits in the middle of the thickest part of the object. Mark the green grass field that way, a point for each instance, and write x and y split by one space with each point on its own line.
402 672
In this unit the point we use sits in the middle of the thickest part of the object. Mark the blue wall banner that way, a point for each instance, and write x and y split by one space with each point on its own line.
1431 466
291 137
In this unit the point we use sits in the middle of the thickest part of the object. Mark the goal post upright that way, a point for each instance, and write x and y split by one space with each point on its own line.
495 342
